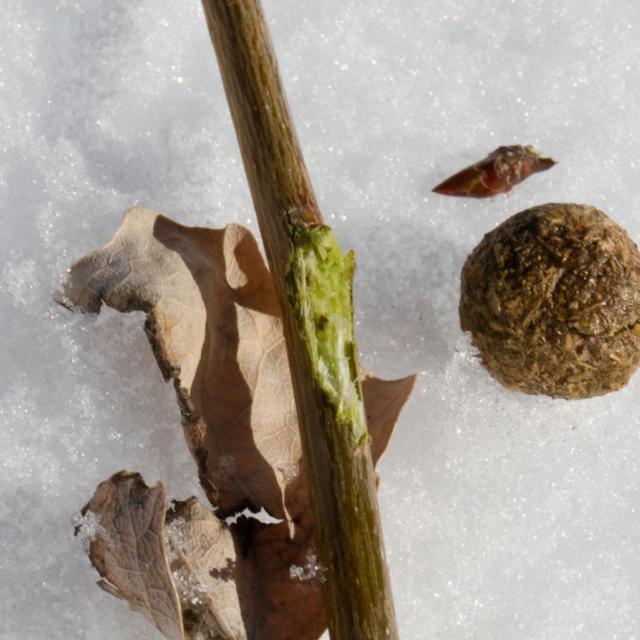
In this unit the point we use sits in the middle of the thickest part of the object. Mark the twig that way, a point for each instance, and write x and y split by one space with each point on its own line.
313 279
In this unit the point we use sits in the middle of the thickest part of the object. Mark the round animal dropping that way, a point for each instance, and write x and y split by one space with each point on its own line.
552 300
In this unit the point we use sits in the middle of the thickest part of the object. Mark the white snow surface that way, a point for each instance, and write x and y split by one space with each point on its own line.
505 516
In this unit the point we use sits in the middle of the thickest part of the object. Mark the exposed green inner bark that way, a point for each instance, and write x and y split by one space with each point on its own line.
320 278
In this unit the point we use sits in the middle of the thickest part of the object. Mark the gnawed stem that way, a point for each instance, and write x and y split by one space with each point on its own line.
313 280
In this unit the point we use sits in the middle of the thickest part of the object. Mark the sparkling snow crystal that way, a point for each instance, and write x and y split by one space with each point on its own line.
312 570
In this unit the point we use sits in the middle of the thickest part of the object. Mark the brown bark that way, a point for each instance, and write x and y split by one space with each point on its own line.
357 592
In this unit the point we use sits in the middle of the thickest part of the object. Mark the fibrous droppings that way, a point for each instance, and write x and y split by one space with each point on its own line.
552 299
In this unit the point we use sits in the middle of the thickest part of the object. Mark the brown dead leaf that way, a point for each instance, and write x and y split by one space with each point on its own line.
204 568
214 324
129 550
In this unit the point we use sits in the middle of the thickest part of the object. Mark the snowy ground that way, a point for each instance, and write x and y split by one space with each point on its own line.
506 516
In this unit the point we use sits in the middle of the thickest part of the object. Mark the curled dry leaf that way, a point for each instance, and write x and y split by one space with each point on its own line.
498 173
214 325
204 567
176 567
129 550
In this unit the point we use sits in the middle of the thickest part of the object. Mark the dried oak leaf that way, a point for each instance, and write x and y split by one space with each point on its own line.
128 549
214 324
498 173
176 567
204 566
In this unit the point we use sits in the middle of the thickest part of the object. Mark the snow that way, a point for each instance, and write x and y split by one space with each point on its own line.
311 570
87 527
505 515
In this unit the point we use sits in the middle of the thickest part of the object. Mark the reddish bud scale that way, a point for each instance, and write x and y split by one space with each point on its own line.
498 173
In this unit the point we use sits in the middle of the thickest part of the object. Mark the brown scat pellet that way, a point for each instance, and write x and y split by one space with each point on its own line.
552 300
